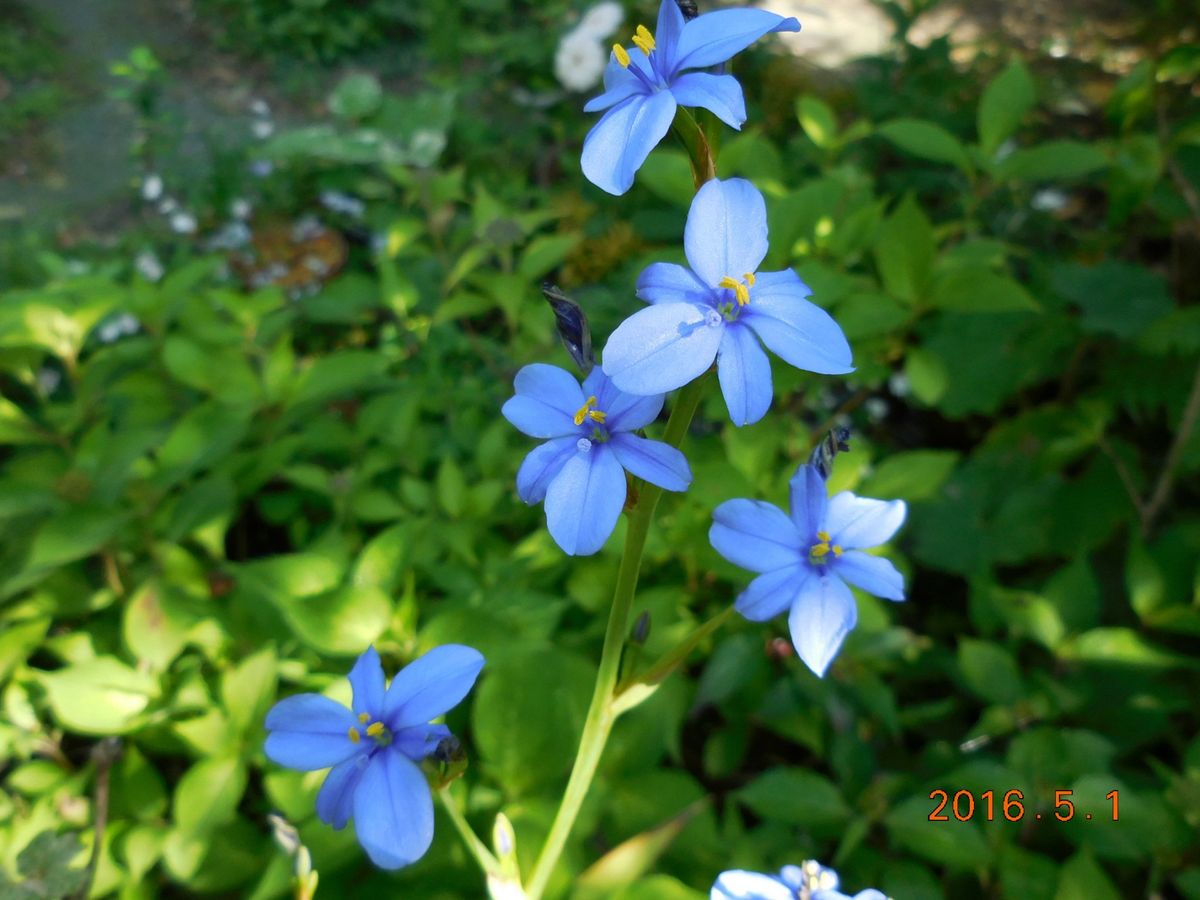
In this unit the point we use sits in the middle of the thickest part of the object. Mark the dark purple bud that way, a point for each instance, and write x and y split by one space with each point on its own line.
641 629
688 8
837 441
572 326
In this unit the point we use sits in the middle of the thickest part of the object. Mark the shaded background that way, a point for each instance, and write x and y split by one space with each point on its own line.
267 268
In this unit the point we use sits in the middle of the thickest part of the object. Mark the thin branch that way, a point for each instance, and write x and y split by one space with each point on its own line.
1166 479
104 755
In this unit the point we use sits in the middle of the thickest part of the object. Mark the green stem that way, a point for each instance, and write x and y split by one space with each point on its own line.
669 661
600 715
478 849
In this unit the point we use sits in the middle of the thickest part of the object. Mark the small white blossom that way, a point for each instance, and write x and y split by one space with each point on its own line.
48 380
263 128
1049 200
240 209
579 61
183 222
602 20
152 188
148 265
117 327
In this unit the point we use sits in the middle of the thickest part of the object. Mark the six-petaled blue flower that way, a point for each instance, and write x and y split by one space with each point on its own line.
644 85
806 560
808 881
721 308
375 747
580 470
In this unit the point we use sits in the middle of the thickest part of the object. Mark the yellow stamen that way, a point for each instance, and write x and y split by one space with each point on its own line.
644 39
749 279
375 729
355 737
819 550
823 536
364 718
740 290
586 412
621 54
837 551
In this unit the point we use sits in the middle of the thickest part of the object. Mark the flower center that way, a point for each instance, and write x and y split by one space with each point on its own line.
816 878
644 39
741 289
818 553
587 411
376 730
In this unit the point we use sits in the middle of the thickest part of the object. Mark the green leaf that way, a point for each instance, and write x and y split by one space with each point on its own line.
926 374
451 488
155 624
904 251
927 140
1114 297
16 427
73 534
1122 647
341 622
338 373
208 794
356 97
978 290
248 689
382 561
18 640
547 720
1052 161
1081 878
916 475
797 797
545 253
818 121
668 175
100 696
46 866
958 845
990 671
1004 104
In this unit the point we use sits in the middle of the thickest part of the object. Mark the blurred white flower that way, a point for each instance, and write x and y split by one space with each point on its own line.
183 222
876 408
263 128
48 380
152 188
117 327
148 265
602 20
261 168
1049 200
260 108
240 209
579 61
341 202
898 385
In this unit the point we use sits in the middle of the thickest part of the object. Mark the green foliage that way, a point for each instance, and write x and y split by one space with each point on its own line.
227 506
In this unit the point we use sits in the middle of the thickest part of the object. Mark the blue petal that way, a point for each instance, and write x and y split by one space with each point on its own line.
795 329
653 461
335 801
366 678
873 574
716 36
726 230
662 347
619 143
740 885
541 465
585 500
546 402
626 412
430 685
808 501
671 283
857 522
771 593
309 731
719 94
393 811
822 616
755 535
869 894
418 741
668 29
619 84
745 375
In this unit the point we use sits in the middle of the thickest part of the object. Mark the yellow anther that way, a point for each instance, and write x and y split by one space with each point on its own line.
644 39
355 737
824 537
837 551
364 718
375 729
586 412
740 290
819 550
621 54
749 279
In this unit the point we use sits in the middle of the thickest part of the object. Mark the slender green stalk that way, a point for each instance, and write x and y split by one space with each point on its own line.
478 849
600 715
667 663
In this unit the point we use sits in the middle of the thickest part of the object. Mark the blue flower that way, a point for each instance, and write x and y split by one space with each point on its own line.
580 470
808 881
721 308
375 747
643 86
806 560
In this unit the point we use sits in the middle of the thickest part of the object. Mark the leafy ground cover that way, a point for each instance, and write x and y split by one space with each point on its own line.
237 452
